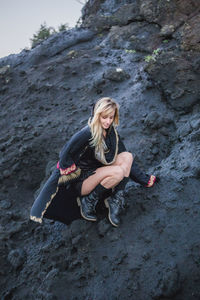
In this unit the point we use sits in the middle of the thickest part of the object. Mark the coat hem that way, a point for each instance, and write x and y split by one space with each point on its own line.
40 219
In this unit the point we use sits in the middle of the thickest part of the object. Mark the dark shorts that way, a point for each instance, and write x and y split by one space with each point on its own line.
79 181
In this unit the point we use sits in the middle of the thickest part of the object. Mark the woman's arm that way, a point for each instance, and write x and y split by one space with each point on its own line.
73 149
136 174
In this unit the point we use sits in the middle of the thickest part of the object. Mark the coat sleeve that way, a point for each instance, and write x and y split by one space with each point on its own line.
72 149
138 175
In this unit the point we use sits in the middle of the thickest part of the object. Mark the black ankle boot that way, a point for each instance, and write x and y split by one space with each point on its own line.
115 203
88 203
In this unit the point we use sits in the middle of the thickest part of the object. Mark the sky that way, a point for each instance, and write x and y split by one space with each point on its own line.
20 19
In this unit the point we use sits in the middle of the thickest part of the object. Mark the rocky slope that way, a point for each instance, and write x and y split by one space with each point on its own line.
145 54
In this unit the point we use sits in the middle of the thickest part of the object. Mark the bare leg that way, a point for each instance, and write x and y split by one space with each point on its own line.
124 160
113 175
109 176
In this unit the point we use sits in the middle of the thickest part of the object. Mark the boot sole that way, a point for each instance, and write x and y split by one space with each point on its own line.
84 217
107 206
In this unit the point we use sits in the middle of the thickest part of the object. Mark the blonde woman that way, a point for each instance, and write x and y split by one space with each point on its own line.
96 164
108 160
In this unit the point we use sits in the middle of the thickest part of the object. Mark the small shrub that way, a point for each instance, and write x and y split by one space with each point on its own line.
63 27
45 32
156 51
154 55
130 51
42 34
148 58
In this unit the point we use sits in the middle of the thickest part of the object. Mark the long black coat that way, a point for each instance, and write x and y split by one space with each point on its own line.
57 202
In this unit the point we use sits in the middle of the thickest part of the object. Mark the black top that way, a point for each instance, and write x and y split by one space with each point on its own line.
79 151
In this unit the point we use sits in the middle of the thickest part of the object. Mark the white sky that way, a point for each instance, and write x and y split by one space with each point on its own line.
20 19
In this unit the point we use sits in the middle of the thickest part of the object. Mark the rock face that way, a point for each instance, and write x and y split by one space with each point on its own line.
145 54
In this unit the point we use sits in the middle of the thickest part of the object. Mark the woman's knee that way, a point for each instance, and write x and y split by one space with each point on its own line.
118 173
130 157
127 157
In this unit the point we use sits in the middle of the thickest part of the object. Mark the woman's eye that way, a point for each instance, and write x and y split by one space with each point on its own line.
105 117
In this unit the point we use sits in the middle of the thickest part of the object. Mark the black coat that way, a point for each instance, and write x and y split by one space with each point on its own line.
57 202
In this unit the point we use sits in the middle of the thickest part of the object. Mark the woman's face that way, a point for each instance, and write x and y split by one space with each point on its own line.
106 119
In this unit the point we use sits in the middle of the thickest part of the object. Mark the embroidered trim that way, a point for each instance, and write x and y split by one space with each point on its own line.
71 176
36 219
33 218
68 170
62 180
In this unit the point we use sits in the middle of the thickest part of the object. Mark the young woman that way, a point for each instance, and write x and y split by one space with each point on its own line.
93 166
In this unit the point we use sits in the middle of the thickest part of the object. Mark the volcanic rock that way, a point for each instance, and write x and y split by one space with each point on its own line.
144 54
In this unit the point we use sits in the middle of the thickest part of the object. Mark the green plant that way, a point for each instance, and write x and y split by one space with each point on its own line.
63 27
45 32
130 51
154 55
148 58
156 51
42 34
166 41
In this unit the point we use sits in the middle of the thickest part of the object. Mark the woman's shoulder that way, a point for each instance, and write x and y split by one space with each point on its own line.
86 130
82 134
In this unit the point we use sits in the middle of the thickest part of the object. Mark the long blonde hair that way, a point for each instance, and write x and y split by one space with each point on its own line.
106 105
